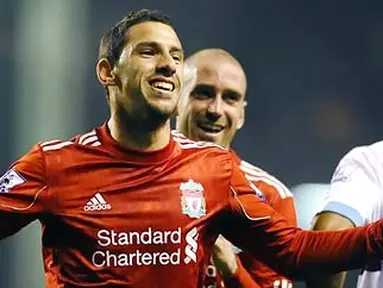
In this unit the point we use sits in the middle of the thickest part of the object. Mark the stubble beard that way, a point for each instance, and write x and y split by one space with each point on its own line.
156 117
144 116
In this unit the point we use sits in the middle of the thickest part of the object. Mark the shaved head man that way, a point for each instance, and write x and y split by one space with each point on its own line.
215 109
212 108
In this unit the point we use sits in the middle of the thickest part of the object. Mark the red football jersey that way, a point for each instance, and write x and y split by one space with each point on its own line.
113 217
278 196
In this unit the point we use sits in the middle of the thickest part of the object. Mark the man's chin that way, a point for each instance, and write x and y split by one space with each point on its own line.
209 137
165 110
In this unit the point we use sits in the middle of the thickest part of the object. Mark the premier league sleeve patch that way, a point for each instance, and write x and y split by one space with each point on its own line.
10 180
258 192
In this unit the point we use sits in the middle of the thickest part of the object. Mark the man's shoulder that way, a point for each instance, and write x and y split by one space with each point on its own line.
366 158
188 145
209 158
58 154
267 182
364 153
51 155
87 139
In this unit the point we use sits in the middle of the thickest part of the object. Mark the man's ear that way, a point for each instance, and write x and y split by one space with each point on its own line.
242 116
105 73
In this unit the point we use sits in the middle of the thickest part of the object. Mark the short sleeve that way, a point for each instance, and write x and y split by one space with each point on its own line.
355 190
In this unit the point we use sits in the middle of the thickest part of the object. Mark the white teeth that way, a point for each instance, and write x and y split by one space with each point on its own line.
163 85
209 128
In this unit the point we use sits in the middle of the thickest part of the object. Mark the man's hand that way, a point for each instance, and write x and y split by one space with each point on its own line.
224 257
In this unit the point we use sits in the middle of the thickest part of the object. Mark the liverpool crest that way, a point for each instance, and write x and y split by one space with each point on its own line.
192 199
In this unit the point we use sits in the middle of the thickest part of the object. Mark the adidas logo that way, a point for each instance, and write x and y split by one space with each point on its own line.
97 203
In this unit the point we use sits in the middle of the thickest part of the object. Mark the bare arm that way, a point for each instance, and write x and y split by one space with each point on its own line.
330 221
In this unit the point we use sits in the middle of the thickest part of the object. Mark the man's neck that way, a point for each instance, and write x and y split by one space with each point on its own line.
139 139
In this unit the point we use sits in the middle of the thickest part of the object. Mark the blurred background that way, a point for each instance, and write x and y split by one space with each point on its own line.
314 74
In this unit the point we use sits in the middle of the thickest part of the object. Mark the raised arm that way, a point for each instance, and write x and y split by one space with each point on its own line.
254 226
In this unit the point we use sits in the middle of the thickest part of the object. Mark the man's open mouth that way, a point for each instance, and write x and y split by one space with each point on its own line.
162 85
210 128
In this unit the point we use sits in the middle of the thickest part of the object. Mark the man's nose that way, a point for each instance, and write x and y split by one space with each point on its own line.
215 108
167 65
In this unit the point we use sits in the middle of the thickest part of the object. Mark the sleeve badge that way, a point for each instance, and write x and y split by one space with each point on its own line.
9 180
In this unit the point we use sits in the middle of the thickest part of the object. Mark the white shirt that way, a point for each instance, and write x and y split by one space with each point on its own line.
356 192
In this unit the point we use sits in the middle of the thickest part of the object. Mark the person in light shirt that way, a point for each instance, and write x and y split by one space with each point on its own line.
355 198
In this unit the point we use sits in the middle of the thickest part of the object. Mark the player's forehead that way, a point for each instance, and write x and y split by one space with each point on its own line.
223 75
155 33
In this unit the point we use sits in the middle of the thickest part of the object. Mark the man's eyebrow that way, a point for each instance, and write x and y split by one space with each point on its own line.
177 49
204 86
157 46
147 44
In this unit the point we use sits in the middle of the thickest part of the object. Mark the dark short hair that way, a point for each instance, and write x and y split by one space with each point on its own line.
114 39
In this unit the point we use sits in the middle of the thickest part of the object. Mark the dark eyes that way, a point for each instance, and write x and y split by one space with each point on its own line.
177 58
231 97
203 92
152 52
147 52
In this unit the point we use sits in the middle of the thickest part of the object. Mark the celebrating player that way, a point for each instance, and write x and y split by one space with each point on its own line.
132 204
212 108
355 198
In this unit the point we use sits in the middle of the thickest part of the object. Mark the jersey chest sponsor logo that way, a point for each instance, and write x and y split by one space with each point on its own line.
10 180
192 199
145 248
